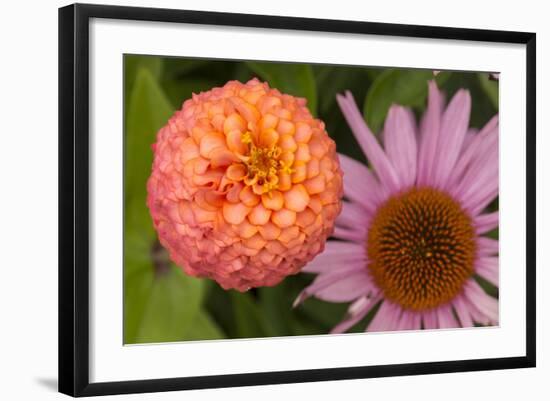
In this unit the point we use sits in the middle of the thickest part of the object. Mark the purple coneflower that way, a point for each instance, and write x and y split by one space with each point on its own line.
410 235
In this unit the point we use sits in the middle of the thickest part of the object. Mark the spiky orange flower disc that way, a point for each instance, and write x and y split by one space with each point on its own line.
245 185
422 248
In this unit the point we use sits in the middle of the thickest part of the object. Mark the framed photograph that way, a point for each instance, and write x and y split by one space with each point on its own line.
251 199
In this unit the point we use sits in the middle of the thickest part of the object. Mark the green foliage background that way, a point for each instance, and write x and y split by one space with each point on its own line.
163 304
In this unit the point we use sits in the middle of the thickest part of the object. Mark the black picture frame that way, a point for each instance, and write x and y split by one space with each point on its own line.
74 194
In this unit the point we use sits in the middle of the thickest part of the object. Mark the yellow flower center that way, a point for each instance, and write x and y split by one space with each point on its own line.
263 166
421 248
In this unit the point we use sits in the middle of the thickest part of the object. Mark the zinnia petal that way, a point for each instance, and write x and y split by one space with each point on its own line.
229 191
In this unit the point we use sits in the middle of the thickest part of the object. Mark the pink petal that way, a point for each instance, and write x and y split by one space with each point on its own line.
483 307
481 189
386 318
338 255
486 222
370 146
462 312
360 184
487 197
405 321
356 312
476 179
473 312
476 315
412 119
409 320
400 144
417 322
325 280
345 289
355 234
429 130
453 129
430 319
487 267
468 139
471 149
352 215
487 246
475 154
479 186
446 318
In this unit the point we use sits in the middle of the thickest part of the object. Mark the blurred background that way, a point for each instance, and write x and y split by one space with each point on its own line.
161 303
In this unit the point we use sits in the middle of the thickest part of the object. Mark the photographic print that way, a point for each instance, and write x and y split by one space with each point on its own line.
225 212
268 199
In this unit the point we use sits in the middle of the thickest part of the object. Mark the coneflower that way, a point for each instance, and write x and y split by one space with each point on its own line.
410 238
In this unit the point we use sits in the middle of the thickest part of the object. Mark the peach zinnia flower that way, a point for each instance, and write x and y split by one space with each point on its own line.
245 186
410 236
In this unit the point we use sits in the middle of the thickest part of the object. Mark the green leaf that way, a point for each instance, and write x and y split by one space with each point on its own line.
148 110
164 306
490 87
328 314
493 233
310 318
373 73
249 319
242 72
180 90
173 305
332 80
133 63
139 235
276 302
404 87
176 67
482 109
203 328
487 286
294 79
137 290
